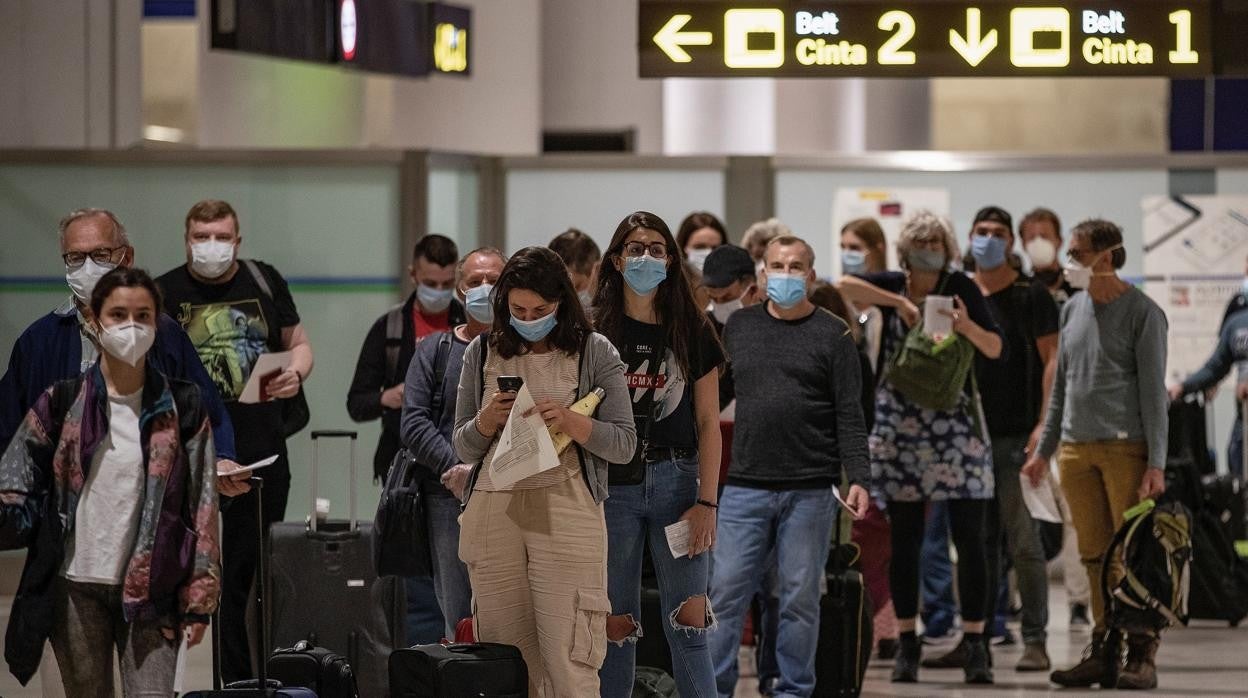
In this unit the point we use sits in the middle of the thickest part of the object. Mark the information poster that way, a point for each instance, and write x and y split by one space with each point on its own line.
890 206
1194 256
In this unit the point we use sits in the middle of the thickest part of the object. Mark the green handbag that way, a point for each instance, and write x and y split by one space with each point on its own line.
928 373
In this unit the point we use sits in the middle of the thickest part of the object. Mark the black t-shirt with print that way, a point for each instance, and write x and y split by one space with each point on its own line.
231 324
665 389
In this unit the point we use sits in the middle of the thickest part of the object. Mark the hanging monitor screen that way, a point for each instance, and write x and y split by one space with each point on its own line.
924 39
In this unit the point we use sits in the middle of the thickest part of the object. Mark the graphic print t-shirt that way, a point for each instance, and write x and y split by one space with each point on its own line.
664 388
231 325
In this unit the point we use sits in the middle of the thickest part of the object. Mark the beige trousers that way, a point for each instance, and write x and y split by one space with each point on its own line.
537 560
1101 480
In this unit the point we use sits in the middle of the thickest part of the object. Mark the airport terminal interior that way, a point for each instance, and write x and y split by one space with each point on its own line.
642 348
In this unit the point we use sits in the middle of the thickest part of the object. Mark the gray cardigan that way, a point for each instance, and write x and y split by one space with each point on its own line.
614 435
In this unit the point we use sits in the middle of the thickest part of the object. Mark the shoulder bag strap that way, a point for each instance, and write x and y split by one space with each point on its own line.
394 339
440 361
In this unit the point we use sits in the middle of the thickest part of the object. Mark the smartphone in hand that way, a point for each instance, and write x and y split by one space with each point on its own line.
510 384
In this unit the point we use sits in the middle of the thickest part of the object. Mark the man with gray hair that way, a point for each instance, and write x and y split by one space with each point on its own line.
61 344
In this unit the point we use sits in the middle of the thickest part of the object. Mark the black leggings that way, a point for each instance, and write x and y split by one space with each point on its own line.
967 520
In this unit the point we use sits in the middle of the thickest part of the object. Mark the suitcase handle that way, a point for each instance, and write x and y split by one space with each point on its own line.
318 434
334 434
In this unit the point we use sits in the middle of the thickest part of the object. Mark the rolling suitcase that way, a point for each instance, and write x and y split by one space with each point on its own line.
323 589
324 671
246 689
845 627
484 669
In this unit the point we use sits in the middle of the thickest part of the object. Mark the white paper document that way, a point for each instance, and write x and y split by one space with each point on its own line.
248 468
525 448
678 538
1041 502
936 324
266 368
179 672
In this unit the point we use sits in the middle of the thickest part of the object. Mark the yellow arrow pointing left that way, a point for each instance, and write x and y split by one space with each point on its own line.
670 38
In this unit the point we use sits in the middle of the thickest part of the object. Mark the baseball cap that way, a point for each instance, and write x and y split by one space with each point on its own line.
725 264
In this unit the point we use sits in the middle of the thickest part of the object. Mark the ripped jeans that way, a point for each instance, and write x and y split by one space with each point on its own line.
636 516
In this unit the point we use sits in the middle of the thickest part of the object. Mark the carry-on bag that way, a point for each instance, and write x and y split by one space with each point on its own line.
483 669
249 689
323 670
845 624
323 588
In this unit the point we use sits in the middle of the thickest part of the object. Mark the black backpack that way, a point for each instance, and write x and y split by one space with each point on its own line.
1155 547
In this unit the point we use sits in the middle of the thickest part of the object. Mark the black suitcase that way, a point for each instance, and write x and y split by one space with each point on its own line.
323 589
845 627
248 689
1224 498
323 670
484 669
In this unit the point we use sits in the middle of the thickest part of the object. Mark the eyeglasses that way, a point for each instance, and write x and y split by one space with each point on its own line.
100 255
636 249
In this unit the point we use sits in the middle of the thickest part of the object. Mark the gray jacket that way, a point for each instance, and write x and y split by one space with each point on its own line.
614 435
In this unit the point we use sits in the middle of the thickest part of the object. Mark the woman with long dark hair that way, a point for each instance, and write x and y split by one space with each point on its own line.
645 306
535 547
110 482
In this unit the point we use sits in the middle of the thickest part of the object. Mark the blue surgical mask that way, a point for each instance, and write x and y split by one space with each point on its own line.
926 260
853 261
535 330
988 251
644 274
479 303
786 290
432 299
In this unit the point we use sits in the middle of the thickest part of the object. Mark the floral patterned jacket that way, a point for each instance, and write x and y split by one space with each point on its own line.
174 570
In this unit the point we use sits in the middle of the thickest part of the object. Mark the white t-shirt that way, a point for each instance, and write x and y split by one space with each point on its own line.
112 499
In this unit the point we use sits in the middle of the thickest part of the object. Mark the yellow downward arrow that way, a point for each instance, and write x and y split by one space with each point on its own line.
670 38
973 48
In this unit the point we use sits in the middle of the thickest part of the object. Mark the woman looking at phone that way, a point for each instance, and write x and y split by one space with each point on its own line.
645 305
536 549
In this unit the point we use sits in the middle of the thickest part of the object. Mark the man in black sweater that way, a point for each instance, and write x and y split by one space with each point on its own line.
799 423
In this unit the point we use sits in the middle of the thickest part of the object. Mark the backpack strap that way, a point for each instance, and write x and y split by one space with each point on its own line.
440 361
258 277
394 339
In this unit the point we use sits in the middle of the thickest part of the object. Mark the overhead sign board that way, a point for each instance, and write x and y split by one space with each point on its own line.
873 38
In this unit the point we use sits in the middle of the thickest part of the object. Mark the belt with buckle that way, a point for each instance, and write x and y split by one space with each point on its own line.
655 454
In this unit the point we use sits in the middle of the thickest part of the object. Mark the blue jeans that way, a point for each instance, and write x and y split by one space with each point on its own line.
636 516
424 618
1235 449
797 524
940 611
450 575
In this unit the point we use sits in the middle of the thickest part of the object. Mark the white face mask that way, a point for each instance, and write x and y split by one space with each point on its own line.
211 258
1078 275
128 341
697 258
722 311
1041 252
83 279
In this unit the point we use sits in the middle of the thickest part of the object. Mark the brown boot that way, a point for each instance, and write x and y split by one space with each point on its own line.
1141 669
1100 664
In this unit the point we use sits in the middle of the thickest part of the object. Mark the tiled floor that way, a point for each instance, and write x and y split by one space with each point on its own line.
1206 659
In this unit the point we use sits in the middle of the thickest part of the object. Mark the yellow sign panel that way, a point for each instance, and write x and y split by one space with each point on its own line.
450 48
753 38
